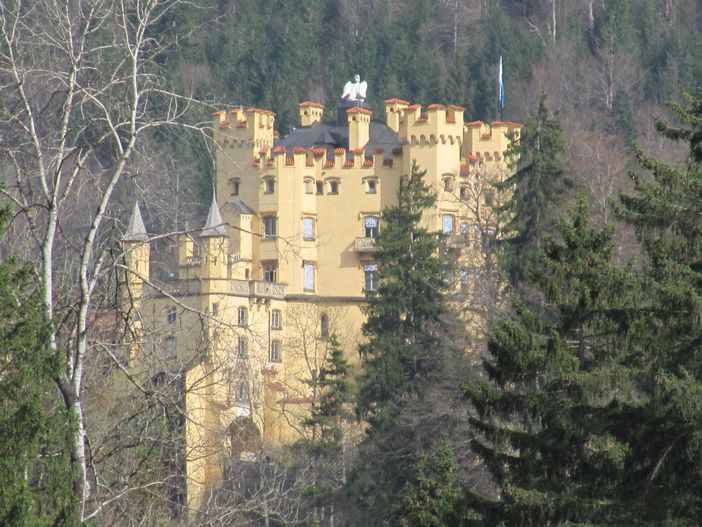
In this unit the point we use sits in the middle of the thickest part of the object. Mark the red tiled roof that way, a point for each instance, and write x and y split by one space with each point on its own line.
396 101
363 111
310 104
474 124
279 150
436 107
339 151
358 151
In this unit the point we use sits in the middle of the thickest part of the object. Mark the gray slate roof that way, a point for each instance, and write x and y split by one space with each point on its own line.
214 226
136 232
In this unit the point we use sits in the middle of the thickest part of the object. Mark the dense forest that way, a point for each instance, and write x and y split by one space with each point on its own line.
581 403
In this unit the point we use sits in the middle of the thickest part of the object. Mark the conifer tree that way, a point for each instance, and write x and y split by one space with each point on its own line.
556 376
404 314
35 432
664 483
334 392
404 357
534 190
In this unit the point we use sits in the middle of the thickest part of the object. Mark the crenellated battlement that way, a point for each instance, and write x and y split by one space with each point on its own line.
438 124
244 127
488 142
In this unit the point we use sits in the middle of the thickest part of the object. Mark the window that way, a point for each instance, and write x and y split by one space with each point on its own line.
270 224
269 186
242 317
371 186
488 240
370 226
320 188
464 280
308 186
463 192
242 347
170 346
448 184
236 186
270 272
171 315
276 351
333 187
324 326
308 276
276 319
447 221
215 309
241 392
489 197
308 228
370 277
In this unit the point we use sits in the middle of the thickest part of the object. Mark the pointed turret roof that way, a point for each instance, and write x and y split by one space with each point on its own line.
214 226
136 232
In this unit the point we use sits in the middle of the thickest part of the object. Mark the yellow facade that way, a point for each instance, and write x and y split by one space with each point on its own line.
286 255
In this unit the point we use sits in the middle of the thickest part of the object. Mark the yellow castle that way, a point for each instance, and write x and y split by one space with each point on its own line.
286 255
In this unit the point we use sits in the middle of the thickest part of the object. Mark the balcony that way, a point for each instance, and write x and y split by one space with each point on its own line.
455 241
258 289
364 245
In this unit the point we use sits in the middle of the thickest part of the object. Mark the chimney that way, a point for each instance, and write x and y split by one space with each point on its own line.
310 113
359 127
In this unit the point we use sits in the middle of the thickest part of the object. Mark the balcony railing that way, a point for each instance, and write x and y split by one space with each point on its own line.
258 289
455 241
364 245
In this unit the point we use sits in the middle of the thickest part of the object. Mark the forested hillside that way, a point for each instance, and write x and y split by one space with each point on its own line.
606 66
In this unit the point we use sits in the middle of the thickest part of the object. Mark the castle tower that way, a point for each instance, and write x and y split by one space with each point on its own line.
214 246
137 252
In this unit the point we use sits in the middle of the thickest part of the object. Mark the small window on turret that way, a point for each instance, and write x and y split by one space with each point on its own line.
171 315
333 187
448 184
463 192
371 186
236 186
269 186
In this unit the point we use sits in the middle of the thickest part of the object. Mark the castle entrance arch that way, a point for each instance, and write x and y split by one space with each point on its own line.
245 438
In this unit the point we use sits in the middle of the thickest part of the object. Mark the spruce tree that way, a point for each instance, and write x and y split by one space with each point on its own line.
404 357
35 431
556 371
404 314
664 480
334 392
533 191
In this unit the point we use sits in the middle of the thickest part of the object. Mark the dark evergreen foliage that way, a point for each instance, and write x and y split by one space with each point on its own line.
35 433
558 373
534 191
404 314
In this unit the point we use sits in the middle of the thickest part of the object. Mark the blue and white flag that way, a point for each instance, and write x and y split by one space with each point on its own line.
500 86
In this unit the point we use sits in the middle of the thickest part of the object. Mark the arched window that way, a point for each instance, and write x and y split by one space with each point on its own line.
170 346
276 319
308 228
242 350
171 314
242 317
276 351
324 326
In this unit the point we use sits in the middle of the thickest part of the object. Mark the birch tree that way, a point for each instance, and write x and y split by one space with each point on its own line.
81 88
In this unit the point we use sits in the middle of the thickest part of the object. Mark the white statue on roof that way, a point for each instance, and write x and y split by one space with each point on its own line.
356 90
